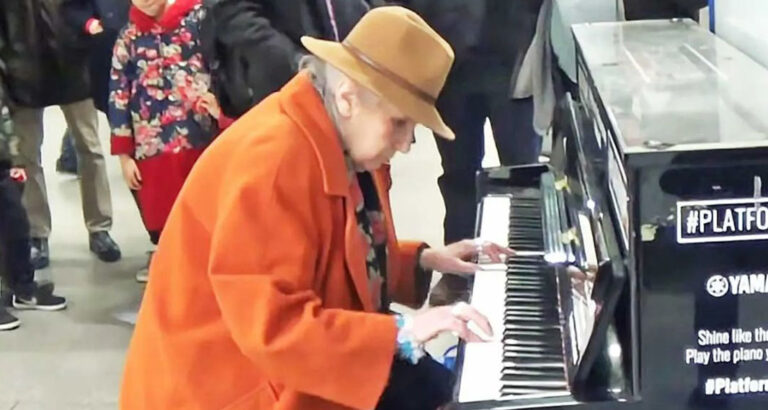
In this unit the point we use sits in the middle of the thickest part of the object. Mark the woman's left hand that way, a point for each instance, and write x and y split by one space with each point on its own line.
454 257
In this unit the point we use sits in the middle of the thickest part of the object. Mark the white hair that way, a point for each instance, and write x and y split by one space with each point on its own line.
326 79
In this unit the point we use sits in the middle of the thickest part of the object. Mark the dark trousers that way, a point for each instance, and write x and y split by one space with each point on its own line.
424 386
516 142
18 273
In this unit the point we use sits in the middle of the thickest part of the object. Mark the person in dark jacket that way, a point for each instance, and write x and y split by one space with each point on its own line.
254 45
99 21
47 65
662 9
490 39
16 272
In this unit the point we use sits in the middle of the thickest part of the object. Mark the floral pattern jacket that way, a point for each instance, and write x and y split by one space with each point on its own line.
159 85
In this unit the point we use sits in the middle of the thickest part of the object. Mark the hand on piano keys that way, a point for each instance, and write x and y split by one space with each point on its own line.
456 257
461 319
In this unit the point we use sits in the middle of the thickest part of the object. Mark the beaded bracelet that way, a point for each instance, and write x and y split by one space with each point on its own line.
407 347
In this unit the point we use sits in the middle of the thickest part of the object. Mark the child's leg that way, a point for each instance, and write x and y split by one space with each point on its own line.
14 239
154 236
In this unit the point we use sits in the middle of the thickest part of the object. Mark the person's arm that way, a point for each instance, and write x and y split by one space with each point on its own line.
265 252
120 124
79 14
122 142
256 58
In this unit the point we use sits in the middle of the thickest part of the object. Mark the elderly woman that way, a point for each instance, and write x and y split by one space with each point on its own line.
271 284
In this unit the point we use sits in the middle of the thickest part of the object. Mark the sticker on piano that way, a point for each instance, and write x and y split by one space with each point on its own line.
722 220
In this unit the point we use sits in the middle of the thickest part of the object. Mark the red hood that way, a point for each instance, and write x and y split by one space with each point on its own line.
170 19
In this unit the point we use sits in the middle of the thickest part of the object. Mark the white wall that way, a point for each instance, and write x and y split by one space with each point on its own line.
742 23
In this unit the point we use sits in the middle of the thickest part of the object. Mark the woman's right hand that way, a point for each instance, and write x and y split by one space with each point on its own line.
131 173
429 323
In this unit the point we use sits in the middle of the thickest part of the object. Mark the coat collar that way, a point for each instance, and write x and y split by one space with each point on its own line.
170 20
303 104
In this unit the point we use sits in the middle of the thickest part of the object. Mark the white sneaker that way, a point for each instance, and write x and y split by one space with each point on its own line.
142 276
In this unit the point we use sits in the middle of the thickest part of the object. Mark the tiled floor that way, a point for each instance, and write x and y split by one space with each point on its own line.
73 359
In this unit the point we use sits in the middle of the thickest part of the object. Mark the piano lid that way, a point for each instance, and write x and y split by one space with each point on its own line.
672 85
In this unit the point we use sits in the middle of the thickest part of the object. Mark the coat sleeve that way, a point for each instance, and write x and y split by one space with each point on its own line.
265 251
412 284
77 13
120 124
255 58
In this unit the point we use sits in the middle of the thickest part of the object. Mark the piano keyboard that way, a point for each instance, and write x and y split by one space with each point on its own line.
519 297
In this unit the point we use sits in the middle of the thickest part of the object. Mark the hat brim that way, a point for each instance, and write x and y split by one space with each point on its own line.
420 111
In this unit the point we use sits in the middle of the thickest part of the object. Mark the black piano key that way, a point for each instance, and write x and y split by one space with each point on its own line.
522 266
520 379
515 286
524 363
522 318
525 326
529 279
529 357
551 348
536 293
550 351
532 390
518 391
530 309
534 333
533 308
549 333
527 285
533 318
549 373
520 336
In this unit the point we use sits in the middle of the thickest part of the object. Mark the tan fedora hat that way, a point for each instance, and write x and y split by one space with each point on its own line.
394 53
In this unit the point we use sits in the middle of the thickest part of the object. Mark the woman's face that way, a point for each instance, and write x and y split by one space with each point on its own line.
372 129
152 8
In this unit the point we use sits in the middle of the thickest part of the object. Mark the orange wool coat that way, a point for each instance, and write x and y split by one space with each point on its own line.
258 297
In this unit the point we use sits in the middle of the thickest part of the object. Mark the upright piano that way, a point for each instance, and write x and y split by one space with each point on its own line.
641 274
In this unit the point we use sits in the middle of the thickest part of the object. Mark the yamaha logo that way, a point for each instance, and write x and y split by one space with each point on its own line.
717 286
744 284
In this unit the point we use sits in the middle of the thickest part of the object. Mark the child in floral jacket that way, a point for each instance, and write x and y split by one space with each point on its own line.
161 111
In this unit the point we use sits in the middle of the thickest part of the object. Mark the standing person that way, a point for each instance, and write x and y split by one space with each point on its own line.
18 275
161 112
662 9
490 38
279 259
255 44
99 21
47 66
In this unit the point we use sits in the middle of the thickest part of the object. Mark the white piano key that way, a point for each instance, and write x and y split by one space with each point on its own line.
494 224
482 363
480 372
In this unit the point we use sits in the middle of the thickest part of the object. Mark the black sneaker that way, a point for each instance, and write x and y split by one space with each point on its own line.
67 161
41 299
7 320
104 247
38 253
5 298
